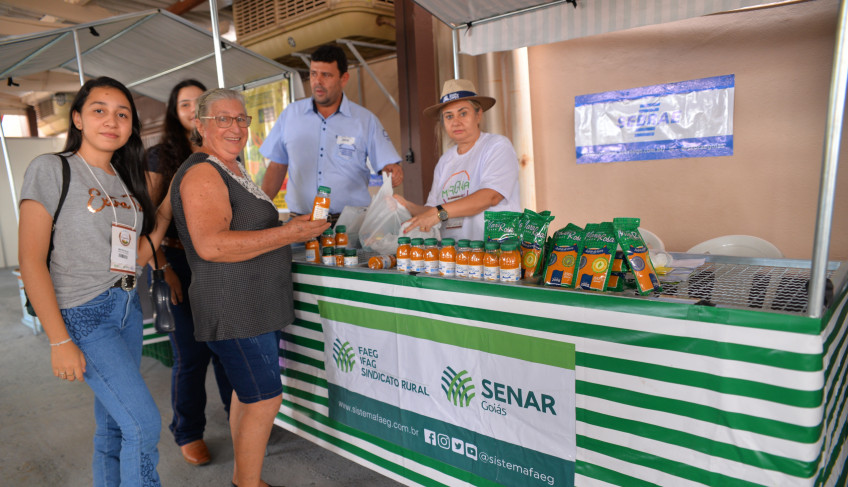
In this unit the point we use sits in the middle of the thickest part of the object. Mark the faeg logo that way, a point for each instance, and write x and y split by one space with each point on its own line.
458 389
343 355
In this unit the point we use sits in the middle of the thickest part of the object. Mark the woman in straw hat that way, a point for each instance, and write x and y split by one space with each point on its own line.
479 173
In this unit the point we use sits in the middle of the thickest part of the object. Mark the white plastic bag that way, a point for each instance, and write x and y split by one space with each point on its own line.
380 229
352 218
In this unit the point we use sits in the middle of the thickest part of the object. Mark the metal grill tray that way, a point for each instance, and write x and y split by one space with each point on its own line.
778 285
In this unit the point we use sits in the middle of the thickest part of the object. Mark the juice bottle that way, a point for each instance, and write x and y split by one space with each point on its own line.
327 257
382 262
327 239
447 258
339 255
341 236
510 262
350 258
416 255
321 205
312 248
463 251
431 256
491 269
403 254
475 260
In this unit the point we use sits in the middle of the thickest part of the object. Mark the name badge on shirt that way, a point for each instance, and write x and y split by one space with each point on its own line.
345 140
124 248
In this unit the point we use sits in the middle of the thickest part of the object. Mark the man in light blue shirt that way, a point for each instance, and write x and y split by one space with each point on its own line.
324 140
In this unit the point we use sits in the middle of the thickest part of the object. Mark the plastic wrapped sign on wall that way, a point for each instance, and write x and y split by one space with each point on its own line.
670 121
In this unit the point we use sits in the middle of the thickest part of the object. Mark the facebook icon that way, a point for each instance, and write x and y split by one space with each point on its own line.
430 437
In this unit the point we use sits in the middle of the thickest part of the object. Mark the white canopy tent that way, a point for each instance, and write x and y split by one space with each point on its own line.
149 52
481 26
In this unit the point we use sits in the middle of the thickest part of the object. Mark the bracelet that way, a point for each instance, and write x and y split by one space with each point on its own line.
60 343
167 264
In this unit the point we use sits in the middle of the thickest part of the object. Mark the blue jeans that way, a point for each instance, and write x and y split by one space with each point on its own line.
191 360
108 330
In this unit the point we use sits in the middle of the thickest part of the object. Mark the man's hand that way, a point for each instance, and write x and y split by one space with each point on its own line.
397 173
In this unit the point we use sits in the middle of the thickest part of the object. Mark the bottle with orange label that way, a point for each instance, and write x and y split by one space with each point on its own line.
341 236
321 205
416 255
509 262
447 258
431 256
382 262
491 265
463 251
475 260
327 257
339 254
403 254
312 251
328 240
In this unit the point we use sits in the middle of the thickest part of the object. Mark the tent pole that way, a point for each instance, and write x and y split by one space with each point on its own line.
216 39
455 42
9 171
830 164
364 64
79 58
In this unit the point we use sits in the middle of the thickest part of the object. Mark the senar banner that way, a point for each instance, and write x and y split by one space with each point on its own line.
675 120
490 406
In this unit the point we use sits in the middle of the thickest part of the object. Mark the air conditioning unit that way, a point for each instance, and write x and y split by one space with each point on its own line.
278 28
52 113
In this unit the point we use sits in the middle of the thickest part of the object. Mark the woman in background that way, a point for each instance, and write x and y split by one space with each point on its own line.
191 358
86 298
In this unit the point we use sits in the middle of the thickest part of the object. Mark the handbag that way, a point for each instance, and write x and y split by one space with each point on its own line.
66 182
160 294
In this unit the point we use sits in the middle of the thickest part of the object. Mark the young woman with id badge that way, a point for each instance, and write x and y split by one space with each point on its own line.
85 295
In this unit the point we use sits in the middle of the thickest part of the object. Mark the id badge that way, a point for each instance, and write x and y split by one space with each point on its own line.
124 248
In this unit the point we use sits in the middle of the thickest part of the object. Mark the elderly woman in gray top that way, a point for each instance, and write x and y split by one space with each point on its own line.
240 259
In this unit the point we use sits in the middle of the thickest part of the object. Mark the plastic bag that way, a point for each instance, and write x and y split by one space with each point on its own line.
380 229
352 218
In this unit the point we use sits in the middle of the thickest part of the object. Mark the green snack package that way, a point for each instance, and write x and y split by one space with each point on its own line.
596 260
534 231
561 262
636 253
618 271
499 226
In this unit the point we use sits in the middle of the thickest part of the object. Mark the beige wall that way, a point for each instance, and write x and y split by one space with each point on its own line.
782 59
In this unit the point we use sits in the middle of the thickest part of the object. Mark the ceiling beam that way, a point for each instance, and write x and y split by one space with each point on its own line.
183 6
77 14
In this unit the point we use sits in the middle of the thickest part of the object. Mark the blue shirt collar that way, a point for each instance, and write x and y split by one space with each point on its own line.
344 107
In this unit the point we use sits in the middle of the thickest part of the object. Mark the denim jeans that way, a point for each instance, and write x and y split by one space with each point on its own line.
108 330
252 365
191 360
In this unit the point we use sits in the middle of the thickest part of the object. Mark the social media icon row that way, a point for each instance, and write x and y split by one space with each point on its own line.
454 444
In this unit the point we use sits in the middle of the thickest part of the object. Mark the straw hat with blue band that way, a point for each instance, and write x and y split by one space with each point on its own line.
457 90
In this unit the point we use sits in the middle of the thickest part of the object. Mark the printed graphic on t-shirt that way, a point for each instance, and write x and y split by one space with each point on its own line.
97 202
457 186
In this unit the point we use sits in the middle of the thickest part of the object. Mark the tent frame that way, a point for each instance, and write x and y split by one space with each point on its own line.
62 34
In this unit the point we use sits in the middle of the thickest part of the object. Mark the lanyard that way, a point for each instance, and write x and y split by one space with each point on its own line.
112 203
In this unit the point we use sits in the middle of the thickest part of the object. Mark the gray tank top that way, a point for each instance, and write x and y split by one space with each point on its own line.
236 299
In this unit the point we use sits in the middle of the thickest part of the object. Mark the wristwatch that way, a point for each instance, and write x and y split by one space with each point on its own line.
443 214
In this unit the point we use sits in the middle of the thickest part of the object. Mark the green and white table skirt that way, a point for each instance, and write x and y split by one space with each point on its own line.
663 393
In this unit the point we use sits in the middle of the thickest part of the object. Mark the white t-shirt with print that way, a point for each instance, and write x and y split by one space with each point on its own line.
491 163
